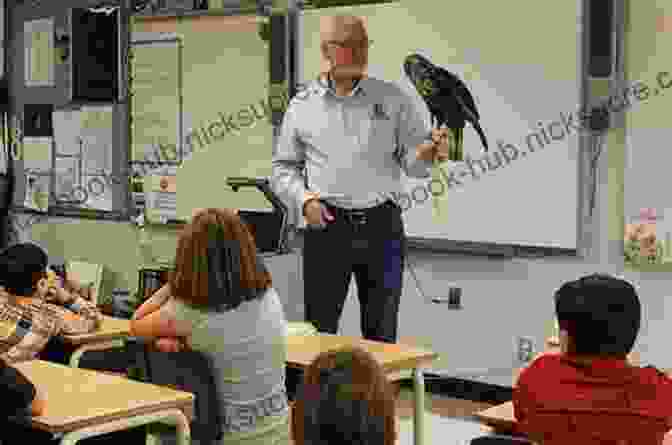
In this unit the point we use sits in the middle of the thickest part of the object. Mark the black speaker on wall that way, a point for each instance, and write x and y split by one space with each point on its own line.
94 55
37 120
4 95
601 48
278 24
278 60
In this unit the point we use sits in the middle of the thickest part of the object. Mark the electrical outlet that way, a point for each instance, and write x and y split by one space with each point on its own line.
524 349
453 300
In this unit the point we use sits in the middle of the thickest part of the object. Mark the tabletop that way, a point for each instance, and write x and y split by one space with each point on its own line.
302 350
110 329
76 398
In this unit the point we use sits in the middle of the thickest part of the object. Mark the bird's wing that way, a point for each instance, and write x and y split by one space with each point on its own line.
450 81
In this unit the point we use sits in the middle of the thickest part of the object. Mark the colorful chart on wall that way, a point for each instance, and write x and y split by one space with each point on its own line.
225 124
524 76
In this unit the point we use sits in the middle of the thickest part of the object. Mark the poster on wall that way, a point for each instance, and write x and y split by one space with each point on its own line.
644 241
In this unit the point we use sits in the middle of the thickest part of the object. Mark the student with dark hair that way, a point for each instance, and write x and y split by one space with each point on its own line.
220 302
32 312
589 391
345 398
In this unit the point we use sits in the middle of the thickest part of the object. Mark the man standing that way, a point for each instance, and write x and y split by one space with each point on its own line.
344 141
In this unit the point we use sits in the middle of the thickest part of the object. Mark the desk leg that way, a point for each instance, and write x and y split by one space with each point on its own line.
99 346
172 416
419 411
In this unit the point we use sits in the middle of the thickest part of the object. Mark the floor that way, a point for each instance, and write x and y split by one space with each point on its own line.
447 420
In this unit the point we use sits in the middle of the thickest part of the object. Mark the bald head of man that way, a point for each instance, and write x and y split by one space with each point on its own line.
344 44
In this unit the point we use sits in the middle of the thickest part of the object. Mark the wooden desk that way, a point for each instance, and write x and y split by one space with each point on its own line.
302 350
81 403
110 334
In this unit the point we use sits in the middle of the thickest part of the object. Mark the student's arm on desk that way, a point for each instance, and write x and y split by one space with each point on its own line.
153 303
158 299
162 324
78 316
72 305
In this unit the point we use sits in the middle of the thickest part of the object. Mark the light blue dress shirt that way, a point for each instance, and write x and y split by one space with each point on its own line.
353 147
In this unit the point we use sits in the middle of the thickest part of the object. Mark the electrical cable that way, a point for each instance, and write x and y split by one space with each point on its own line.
411 270
595 150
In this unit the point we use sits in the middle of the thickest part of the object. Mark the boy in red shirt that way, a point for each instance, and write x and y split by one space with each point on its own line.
589 393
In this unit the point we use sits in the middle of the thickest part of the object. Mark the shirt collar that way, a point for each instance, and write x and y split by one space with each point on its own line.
601 364
325 85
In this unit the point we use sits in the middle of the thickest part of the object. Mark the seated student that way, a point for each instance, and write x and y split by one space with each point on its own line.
345 398
27 319
220 301
589 393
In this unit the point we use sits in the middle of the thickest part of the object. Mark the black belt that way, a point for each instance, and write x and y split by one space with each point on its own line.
359 216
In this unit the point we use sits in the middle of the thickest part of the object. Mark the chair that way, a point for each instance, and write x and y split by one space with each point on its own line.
589 425
189 371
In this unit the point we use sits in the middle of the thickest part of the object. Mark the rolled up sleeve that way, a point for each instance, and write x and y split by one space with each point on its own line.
411 132
289 159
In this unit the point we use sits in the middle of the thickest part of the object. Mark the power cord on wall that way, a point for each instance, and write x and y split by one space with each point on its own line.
411 270
599 123
595 150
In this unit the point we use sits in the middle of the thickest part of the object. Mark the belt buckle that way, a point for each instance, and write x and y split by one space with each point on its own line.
357 217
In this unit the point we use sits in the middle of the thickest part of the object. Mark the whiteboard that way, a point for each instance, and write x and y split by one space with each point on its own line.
521 64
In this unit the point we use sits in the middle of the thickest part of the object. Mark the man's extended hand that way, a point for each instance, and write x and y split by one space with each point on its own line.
437 149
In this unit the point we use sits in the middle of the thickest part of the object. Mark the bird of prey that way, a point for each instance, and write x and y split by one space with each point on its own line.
449 101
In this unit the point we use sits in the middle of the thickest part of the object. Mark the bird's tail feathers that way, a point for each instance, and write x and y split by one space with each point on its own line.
481 134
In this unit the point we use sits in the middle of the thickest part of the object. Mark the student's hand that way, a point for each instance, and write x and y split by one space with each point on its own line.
74 286
60 295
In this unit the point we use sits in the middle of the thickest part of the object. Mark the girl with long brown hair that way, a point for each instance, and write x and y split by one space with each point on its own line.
220 302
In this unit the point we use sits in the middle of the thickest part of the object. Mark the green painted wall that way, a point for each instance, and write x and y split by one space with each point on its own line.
116 245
